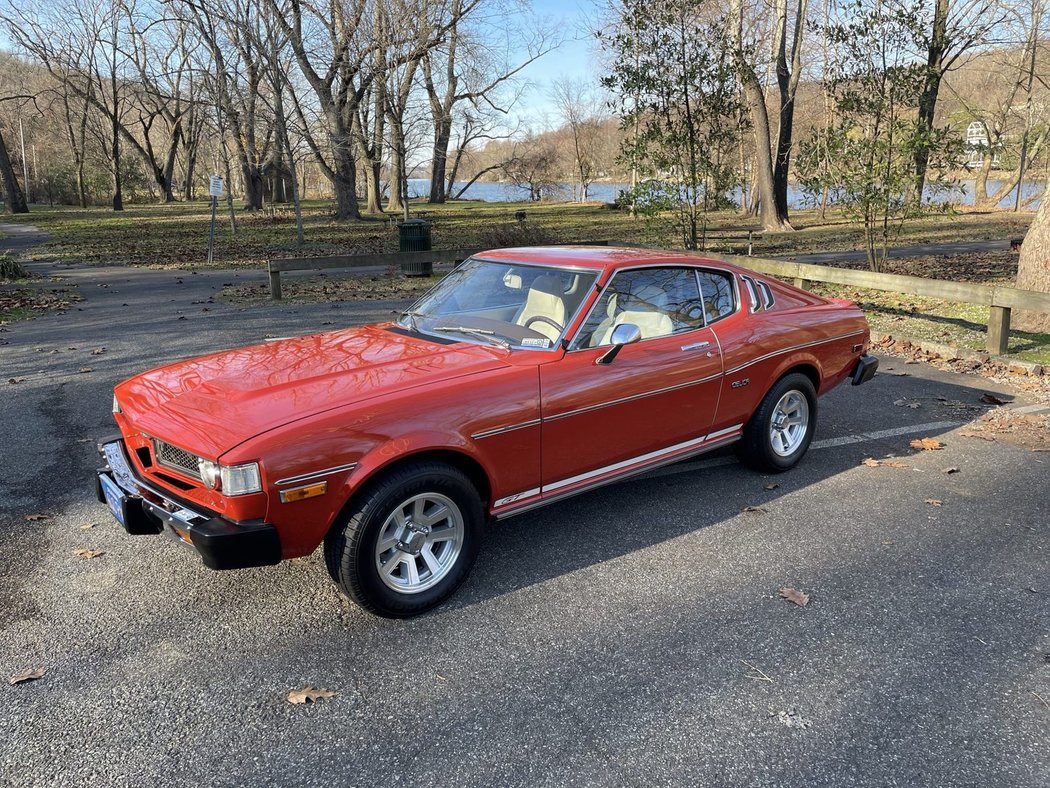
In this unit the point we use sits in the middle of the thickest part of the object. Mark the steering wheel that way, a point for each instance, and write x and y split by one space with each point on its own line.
544 319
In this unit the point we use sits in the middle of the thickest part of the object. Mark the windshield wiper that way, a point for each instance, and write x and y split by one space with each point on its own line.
480 333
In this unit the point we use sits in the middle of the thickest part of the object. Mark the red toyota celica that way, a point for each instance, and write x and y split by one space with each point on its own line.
526 376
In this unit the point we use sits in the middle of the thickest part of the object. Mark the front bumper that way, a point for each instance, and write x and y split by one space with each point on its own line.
864 370
143 509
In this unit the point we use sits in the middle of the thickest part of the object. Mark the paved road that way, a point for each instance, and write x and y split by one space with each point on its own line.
620 638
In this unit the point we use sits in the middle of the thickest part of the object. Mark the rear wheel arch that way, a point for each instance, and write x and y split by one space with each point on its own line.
807 368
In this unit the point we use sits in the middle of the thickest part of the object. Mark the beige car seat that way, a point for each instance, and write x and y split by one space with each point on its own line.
544 300
646 309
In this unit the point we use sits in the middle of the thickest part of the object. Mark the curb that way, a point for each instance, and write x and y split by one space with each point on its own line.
951 353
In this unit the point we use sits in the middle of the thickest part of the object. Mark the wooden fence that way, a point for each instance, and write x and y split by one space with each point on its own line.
998 298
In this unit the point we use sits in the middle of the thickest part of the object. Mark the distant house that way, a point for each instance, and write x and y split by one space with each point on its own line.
977 144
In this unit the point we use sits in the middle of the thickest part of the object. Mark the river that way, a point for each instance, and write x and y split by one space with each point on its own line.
961 195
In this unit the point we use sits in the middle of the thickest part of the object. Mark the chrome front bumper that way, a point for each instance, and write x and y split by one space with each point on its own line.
141 508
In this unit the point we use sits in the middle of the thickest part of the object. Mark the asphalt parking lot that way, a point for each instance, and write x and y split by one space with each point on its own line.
629 636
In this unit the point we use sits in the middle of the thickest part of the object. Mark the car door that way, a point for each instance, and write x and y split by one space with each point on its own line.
657 394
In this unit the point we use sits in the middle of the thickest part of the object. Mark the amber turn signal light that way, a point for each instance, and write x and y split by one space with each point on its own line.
302 493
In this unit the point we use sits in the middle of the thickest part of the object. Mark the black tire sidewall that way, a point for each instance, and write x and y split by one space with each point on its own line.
757 448
355 560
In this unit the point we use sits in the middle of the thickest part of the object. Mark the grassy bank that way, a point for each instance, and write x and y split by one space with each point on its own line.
177 235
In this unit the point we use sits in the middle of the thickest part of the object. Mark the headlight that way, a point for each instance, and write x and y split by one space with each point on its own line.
240 479
209 472
116 405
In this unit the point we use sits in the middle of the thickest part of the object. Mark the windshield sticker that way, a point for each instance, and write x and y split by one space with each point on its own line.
535 342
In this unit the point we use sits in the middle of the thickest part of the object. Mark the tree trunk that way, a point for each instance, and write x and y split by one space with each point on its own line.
932 86
1033 267
118 187
760 120
787 85
442 136
81 185
394 202
767 207
981 200
16 201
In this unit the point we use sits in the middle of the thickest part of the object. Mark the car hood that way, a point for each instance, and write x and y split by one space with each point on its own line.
213 403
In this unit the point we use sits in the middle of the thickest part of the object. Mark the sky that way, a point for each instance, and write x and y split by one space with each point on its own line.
574 59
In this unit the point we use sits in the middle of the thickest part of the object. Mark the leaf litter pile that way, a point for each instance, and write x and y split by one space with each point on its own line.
995 422
28 301
388 287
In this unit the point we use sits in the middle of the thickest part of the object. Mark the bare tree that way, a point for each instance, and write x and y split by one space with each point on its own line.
742 53
581 114
471 65
956 26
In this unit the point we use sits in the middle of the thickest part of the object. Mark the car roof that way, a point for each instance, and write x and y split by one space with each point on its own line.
597 257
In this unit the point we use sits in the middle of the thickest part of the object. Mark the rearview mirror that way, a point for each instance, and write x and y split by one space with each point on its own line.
623 334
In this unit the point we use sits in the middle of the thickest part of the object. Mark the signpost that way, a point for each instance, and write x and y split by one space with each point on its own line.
215 190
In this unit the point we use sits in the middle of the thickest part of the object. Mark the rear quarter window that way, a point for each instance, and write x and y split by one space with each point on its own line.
718 294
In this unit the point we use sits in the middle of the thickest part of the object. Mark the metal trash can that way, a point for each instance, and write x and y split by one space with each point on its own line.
414 236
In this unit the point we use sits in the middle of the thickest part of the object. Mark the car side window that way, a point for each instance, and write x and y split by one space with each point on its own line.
719 299
660 301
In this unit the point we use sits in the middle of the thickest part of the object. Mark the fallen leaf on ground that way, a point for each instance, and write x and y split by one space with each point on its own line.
977 435
926 444
991 399
88 525
770 486
894 464
934 502
757 509
794 596
871 462
32 518
98 351
82 370
903 403
83 552
15 380
950 469
309 695
32 674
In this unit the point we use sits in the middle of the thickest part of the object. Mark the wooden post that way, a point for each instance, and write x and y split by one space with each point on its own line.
998 330
275 285
750 240
800 283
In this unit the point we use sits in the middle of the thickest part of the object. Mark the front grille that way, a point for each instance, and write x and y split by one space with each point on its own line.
176 458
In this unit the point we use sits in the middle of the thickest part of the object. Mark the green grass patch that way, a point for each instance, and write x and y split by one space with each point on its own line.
176 235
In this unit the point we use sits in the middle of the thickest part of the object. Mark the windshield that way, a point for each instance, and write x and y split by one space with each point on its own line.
507 304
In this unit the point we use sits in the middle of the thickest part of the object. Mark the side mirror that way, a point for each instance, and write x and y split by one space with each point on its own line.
623 334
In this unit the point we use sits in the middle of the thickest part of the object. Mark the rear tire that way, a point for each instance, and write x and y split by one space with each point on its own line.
408 541
780 430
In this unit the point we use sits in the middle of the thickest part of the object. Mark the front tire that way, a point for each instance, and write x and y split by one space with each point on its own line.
781 429
409 541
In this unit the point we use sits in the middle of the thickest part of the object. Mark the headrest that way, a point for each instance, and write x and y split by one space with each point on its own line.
647 298
548 284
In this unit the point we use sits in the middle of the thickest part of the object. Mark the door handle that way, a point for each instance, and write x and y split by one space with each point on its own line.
696 346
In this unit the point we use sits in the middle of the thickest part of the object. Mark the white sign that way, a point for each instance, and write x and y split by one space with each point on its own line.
215 186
